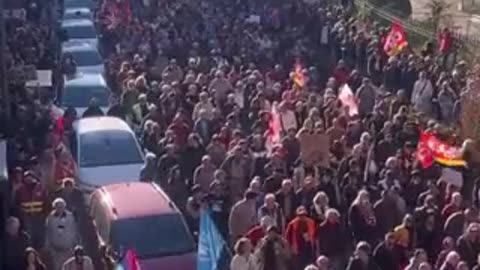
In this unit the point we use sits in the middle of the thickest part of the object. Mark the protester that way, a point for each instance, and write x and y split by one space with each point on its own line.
250 110
16 242
32 260
61 233
243 259
79 261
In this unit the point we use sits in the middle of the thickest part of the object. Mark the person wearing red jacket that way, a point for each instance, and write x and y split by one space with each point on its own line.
301 236
256 233
31 199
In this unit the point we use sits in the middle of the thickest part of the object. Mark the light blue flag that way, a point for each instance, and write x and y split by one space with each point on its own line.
213 252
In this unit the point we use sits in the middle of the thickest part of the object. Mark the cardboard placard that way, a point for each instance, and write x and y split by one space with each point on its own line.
315 149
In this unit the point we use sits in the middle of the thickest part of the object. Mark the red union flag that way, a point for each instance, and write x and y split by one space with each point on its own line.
396 40
431 148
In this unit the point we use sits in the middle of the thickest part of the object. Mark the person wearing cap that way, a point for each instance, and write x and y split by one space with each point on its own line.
301 235
362 258
61 233
31 200
78 261
72 195
243 216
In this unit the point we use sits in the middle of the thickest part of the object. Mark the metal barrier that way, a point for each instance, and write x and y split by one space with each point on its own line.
416 31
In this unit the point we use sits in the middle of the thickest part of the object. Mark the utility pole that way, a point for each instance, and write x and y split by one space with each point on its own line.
3 68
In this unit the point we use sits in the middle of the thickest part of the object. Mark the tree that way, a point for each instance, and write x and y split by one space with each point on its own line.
439 12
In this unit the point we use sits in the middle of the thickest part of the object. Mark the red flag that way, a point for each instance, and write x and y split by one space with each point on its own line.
348 99
396 40
299 78
274 129
430 149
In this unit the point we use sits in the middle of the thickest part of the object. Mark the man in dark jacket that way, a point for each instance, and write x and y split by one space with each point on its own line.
285 198
387 254
468 245
93 109
16 241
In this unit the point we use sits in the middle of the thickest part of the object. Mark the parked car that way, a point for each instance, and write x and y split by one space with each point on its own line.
86 56
79 91
140 216
107 152
77 13
78 4
80 29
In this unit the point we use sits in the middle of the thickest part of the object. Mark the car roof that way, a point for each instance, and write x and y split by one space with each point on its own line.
74 10
86 79
77 46
149 200
101 123
77 22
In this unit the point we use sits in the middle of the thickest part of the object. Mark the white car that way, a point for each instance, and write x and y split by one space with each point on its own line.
86 56
107 152
81 89
77 13
80 29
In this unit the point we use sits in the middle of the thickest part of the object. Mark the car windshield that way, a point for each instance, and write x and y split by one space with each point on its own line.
80 31
80 96
153 236
108 148
77 4
76 14
87 58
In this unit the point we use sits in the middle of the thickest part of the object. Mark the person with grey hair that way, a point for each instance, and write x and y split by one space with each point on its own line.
140 109
148 170
61 233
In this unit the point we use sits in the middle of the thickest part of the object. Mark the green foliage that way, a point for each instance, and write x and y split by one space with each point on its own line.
401 8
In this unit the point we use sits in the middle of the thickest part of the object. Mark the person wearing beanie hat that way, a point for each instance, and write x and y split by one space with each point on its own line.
61 233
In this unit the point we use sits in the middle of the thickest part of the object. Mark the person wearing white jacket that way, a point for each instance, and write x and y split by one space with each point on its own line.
243 258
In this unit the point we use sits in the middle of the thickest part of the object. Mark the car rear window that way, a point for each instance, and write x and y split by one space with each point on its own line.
79 97
108 148
87 58
153 236
80 31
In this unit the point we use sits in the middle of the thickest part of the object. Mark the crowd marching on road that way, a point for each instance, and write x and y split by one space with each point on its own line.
310 138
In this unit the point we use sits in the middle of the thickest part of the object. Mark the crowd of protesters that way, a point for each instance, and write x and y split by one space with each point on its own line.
197 81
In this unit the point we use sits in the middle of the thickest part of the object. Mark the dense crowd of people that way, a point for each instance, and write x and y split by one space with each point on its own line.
201 83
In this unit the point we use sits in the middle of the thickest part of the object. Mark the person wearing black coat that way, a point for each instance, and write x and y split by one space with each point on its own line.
387 254
361 260
93 109
468 245
285 197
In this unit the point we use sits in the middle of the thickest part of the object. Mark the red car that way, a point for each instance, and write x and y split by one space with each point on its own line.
140 216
